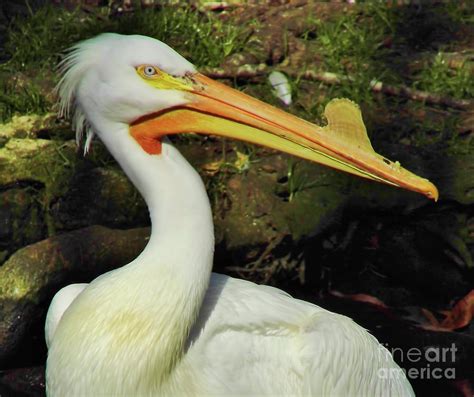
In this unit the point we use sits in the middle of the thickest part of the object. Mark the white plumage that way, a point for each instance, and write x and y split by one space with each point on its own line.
162 325
58 306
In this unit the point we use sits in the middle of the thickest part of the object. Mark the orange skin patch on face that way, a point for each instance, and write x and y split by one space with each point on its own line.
149 130
150 144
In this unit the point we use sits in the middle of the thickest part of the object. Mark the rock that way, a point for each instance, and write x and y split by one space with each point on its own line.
99 196
28 126
46 187
31 276
21 382
44 161
21 218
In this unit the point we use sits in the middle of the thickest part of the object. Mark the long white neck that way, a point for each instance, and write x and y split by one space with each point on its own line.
180 213
170 277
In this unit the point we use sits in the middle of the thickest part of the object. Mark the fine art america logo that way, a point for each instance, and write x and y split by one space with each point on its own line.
428 363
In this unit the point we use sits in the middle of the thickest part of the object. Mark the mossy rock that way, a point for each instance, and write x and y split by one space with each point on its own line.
43 161
28 126
99 196
47 187
21 218
33 274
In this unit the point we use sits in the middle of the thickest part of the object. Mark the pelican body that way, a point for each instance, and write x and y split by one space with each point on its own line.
163 325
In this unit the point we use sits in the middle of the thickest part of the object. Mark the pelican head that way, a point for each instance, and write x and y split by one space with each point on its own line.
142 83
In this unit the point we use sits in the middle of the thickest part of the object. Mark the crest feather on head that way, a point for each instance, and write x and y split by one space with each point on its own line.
77 60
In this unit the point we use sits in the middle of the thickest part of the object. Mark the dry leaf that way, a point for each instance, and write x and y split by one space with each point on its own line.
461 314
365 298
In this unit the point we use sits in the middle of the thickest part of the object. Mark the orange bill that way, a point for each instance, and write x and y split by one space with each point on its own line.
214 108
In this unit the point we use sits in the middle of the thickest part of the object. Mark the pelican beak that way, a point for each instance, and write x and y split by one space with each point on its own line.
217 109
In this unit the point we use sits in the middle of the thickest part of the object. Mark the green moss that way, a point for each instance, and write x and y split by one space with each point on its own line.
24 223
46 162
27 126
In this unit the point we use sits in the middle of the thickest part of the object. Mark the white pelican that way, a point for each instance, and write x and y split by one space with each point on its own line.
163 325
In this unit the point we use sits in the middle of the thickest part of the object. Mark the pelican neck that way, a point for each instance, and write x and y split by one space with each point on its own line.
180 213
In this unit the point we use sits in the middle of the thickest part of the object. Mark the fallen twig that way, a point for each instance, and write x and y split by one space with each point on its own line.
261 70
454 60
422 96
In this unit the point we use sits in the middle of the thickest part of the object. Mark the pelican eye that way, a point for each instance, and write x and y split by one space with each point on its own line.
149 71
162 80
